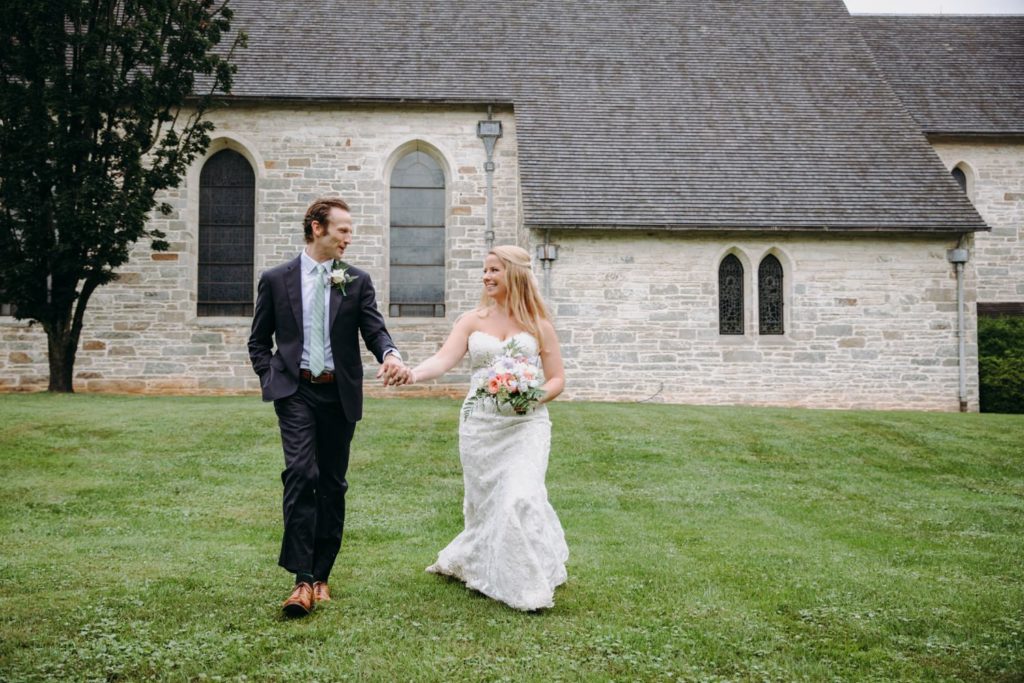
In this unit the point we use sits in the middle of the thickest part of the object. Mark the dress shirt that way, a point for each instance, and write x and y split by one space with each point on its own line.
309 278
309 287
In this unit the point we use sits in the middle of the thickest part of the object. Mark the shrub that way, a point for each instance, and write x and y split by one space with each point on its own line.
1001 364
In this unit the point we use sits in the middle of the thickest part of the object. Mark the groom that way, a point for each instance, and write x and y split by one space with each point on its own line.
314 307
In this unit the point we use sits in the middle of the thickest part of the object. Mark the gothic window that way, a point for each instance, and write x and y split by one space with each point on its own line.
730 296
960 177
417 237
769 296
227 207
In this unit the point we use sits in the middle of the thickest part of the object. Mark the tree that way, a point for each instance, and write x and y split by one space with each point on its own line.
98 113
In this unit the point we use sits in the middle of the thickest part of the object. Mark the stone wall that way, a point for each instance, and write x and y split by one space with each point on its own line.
142 333
870 321
995 184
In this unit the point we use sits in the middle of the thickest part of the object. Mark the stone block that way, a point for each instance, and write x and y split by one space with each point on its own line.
114 386
834 330
659 358
155 368
612 337
936 294
93 345
741 356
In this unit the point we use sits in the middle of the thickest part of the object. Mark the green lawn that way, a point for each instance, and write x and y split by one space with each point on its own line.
140 539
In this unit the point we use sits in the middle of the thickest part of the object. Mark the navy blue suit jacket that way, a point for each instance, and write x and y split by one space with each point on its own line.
278 319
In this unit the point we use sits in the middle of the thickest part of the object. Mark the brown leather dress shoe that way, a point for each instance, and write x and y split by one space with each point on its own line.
321 593
300 602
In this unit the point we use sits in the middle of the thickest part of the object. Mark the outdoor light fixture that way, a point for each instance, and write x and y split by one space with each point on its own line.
489 131
547 253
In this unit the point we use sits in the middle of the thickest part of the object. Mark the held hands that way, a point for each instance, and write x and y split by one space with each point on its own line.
393 372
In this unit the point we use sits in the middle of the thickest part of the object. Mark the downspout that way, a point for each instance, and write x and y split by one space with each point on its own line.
958 257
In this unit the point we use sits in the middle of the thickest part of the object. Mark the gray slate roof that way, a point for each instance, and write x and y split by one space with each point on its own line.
955 74
702 114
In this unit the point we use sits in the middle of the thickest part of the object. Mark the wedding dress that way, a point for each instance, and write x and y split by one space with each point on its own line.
512 548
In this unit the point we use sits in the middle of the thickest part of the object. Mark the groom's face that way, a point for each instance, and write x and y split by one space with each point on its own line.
331 240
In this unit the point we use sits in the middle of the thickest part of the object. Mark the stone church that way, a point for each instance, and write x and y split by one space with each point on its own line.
728 202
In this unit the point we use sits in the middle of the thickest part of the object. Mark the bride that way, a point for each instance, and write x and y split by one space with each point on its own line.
513 548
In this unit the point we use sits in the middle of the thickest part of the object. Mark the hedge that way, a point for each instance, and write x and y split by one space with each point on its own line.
1001 364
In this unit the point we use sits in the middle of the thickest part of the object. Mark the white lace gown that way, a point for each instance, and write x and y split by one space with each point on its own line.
512 548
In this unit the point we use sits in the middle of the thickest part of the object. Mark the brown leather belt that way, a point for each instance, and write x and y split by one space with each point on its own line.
325 377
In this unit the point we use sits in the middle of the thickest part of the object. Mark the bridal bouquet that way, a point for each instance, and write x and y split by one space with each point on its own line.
512 379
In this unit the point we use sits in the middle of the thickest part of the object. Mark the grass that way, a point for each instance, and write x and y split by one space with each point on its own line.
140 537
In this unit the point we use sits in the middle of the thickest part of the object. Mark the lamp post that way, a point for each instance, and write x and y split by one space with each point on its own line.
489 131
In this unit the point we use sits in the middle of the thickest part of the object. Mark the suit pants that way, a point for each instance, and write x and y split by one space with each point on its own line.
315 437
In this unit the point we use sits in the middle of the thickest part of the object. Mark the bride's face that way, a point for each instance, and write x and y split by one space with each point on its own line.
494 278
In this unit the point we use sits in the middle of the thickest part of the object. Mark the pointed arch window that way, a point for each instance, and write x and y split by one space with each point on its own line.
769 296
227 208
417 237
960 177
730 296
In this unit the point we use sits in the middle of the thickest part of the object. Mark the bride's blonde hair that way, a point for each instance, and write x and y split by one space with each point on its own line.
523 300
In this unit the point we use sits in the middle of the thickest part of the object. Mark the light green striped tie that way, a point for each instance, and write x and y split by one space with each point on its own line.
316 336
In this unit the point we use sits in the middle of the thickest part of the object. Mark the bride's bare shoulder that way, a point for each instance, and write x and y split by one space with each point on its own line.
474 316
469 321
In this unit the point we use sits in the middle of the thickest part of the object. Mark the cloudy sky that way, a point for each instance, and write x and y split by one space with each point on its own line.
935 6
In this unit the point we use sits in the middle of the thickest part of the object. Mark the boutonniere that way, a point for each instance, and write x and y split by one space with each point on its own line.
340 276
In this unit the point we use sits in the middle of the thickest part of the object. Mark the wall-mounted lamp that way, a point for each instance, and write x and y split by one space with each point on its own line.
547 253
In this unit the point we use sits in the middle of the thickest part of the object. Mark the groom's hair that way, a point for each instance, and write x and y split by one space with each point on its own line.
319 211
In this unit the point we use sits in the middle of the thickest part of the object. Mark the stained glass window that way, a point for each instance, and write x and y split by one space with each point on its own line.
417 237
769 296
227 207
730 296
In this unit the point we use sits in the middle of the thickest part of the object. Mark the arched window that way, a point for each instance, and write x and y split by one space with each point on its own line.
960 177
417 237
227 206
730 296
769 296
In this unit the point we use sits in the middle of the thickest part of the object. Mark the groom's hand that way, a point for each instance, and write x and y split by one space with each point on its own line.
393 372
